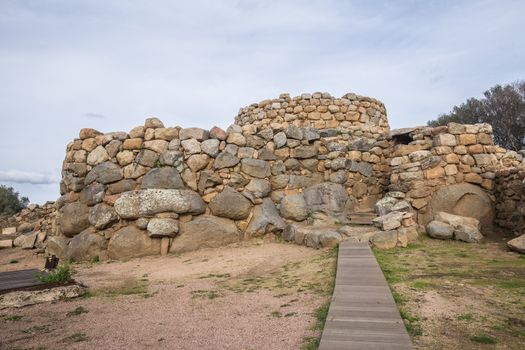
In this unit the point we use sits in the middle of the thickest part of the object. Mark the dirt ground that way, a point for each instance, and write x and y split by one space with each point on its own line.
455 295
253 295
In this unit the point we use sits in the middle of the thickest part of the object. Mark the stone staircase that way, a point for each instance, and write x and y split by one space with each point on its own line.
362 218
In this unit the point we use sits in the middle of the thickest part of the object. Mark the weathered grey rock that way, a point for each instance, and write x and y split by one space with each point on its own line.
230 204
265 154
102 216
293 132
57 245
440 230
97 156
225 160
485 159
265 219
142 223
255 141
255 167
194 133
329 239
467 233
165 177
289 232
144 203
191 146
147 158
279 139
197 162
232 149
461 199
205 231
134 171
384 239
303 152
104 173
86 246
292 164
25 227
122 186
317 237
158 146
171 158
22 298
328 198
357 233
259 187
311 134
418 156
72 218
162 227
208 179
294 207
456 220
430 162
266 134
211 147
130 242
92 194
402 206
6 243
388 221
517 244
26 241
363 168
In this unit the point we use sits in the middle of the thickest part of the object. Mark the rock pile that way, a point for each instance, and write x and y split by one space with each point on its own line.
29 228
460 228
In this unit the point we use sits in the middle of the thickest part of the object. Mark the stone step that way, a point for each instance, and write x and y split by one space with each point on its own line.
362 218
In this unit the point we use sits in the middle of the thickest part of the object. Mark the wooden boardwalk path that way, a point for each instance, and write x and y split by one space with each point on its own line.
15 280
363 314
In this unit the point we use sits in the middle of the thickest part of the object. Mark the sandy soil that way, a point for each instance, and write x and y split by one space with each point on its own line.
250 296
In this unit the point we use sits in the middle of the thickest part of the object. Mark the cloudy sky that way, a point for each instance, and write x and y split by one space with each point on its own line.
69 64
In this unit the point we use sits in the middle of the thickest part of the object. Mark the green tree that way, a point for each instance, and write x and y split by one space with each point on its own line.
10 201
502 106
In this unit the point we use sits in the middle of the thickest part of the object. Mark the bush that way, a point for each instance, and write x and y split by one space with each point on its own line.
10 202
61 274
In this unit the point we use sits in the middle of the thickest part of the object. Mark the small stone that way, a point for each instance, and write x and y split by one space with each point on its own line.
218 133
294 207
102 216
191 146
97 156
165 177
153 123
225 160
388 221
255 167
230 204
517 244
211 147
194 133
440 230
279 139
162 227
236 139
293 132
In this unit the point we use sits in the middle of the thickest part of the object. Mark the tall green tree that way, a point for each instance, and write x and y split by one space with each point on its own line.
10 201
503 106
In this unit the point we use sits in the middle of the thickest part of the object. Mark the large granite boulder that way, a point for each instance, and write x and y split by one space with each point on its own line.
464 228
162 227
328 198
87 246
461 199
440 230
294 207
104 173
102 216
205 231
230 204
144 203
265 219
57 245
72 218
131 242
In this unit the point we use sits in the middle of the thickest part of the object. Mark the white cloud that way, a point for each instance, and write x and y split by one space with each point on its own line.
24 177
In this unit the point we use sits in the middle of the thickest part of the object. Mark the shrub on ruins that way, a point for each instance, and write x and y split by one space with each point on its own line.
503 106
10 201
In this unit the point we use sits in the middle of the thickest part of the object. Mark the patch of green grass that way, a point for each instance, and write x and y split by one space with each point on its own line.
203 294
62 274
216 275
411 323
483 339
276 314
13 318
311 343
95 259
290 314
126 287
465 317
37 329
78 311
76 338
13 261
320 315
422 285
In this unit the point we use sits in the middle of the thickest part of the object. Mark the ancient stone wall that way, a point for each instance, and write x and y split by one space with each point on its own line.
448 168
307 159
510 199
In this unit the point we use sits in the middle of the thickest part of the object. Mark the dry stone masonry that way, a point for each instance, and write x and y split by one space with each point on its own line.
301 168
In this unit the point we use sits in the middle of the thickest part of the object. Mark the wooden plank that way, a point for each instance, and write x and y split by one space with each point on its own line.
11 280
362 314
